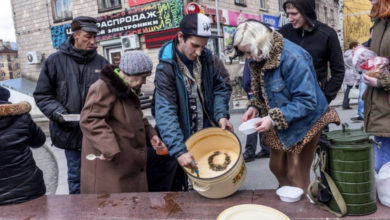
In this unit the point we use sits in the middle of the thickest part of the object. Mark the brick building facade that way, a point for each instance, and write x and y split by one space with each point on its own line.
9 65
41 25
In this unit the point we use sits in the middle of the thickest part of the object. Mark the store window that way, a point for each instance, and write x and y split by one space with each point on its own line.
107 5
263 5
240 2
113 54
62 10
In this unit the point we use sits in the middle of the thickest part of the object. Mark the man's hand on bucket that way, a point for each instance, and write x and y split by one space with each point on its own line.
186 159
224 123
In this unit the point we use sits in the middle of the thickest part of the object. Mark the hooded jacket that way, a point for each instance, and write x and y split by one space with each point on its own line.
21 179
171 105
322 44
62 87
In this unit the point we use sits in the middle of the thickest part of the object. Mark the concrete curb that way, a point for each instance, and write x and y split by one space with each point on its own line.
56 164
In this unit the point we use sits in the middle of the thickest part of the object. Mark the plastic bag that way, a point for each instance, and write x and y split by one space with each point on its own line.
361 54
375 66
383 184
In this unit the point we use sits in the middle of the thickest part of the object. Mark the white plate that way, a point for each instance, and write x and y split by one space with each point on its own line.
71 117
248 127
251 211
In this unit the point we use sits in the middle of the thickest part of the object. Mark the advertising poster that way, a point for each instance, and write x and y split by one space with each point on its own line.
144 19
236 17
228 35
271 20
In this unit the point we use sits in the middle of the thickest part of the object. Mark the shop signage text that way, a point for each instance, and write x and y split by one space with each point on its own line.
271 20
148 18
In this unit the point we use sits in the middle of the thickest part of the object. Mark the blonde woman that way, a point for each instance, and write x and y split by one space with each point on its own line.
291 107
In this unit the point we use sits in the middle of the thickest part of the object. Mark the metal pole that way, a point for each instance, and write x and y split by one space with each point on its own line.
219 30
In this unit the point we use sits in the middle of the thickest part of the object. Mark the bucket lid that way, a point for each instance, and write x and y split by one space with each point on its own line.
347 135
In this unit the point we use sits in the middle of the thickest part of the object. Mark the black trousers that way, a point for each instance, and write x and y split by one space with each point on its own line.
251 144
164 173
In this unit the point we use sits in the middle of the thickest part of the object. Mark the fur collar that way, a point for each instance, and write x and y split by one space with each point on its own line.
14 109
277 45
115 83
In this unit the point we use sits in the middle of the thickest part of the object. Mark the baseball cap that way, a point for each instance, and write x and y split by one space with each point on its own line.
84 23
197 25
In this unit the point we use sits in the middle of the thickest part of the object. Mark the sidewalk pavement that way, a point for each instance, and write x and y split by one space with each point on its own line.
52 160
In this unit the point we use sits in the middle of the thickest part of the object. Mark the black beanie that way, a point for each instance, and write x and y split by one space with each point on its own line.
4 94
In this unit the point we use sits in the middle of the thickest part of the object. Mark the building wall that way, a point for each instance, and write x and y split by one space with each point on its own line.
9 65
34 18
357 22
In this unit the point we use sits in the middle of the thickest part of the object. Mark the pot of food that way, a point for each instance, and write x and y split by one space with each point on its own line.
221 165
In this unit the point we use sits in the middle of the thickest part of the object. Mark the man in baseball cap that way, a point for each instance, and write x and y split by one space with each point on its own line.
188 96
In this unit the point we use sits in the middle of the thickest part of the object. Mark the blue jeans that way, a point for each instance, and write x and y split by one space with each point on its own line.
73 159
362 89
382 152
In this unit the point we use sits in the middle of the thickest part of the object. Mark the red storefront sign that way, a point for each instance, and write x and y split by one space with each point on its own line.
192 8
157 39
212 12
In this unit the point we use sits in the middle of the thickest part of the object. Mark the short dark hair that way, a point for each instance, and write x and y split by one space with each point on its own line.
186 36
353 44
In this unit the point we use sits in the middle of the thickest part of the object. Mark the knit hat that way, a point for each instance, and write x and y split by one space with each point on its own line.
135 62
4 94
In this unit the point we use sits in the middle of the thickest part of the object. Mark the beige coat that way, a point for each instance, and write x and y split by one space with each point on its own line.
113 125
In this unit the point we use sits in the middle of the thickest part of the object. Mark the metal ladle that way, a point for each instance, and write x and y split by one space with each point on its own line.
93 157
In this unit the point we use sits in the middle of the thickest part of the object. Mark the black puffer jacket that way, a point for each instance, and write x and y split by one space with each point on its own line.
63 87
20 179
322 44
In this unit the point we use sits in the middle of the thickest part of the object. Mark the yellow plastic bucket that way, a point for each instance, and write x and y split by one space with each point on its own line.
221 165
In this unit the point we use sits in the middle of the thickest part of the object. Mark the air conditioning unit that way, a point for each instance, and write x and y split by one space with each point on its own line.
130 42
34 57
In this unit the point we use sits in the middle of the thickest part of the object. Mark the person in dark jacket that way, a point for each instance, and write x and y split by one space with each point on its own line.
224 73
21 179
251 140
319 40
62 88
189 95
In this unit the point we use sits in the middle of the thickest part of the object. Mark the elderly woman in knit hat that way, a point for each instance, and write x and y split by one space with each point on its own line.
115 129
289 103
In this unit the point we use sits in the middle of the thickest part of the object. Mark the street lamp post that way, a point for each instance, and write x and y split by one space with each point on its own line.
218 30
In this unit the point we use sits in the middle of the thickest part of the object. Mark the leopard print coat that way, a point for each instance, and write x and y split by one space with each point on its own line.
270 138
